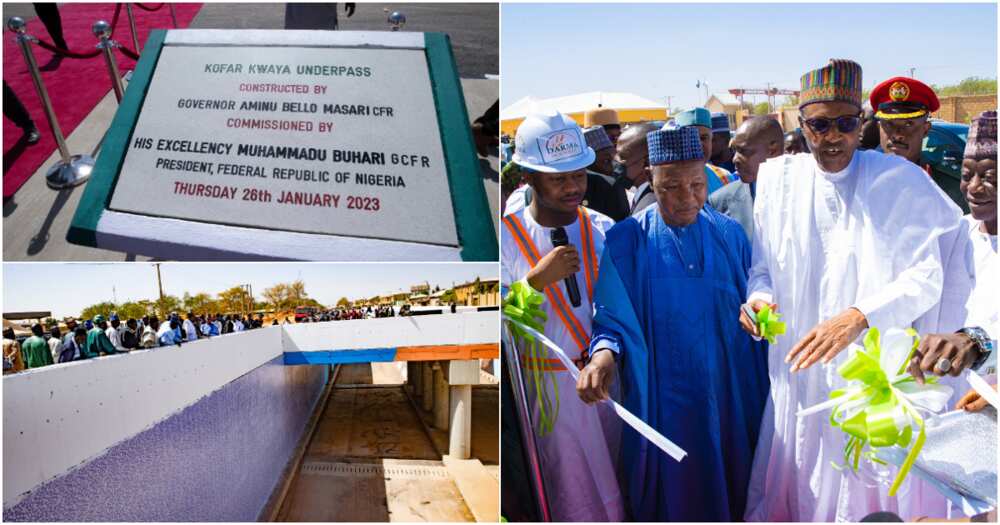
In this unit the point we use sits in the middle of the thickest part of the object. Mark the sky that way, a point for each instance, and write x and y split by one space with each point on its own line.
657 51
66 288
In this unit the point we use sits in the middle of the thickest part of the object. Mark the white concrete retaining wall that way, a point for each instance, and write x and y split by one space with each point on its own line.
58 417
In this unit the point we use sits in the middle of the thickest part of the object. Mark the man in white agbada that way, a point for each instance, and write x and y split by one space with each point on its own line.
114 333
575 457
190 330
843 240
963 328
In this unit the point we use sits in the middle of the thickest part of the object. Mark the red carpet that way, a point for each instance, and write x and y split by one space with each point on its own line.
77 85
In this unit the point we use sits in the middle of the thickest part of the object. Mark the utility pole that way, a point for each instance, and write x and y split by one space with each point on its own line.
114 296
159 283
912 70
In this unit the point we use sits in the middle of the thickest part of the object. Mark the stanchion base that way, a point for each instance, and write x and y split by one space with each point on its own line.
76 172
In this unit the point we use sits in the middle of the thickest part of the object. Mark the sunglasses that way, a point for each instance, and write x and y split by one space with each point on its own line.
821 125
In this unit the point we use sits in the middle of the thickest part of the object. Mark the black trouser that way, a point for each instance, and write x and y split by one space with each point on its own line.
15 110
49 15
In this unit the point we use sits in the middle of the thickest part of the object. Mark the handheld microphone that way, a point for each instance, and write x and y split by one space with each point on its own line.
559 239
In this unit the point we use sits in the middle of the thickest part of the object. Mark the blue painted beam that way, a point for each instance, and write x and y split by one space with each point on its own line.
341 357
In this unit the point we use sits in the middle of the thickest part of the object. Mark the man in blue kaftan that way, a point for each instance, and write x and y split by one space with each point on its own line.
670 280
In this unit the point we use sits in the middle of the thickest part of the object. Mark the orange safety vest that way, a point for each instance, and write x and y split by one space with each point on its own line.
553 292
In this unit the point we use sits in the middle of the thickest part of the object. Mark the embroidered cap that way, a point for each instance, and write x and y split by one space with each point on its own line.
694 117
673 145
597 138
720 123
982 143
838 81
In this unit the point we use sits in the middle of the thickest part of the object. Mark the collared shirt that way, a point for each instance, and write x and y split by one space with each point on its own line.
115 336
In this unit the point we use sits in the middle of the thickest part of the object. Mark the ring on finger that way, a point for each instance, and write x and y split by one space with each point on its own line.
944 365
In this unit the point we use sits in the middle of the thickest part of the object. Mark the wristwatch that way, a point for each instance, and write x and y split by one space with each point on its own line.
983 343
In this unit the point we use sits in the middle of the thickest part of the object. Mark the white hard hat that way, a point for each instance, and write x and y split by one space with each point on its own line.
550 142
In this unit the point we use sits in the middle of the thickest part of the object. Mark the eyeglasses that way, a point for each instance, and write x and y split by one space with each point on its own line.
821 125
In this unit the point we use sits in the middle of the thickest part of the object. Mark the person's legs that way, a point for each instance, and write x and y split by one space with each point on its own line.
48 13
14 109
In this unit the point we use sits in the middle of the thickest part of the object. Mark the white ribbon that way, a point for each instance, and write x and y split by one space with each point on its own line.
629 418
983 388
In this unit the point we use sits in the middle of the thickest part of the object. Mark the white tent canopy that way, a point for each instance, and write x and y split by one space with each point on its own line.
578 104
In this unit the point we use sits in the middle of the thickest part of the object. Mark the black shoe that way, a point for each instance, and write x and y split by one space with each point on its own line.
32 135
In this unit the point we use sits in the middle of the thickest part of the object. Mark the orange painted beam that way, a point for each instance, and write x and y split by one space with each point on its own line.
448 352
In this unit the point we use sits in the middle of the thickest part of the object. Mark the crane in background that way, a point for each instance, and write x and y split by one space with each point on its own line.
770 92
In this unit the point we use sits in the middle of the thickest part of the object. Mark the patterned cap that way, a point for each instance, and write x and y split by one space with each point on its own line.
597 138
838 81
982 143
720 123
673 145
694 117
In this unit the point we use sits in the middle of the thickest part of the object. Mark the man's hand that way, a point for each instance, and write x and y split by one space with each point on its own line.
349 8
557 265
958 349
749 326
827 339
971 401
592 386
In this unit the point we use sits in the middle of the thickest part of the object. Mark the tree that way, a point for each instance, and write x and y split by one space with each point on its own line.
277 296
968 86
132 310
94 310
297 292
762 108
343 302
198 302
167 304
235 299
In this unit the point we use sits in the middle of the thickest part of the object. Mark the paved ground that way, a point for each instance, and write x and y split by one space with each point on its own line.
369 458
474 28
37 218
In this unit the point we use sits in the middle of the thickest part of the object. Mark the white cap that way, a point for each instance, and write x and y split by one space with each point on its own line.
550 142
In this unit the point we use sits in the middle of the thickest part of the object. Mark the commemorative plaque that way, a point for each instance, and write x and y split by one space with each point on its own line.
290 144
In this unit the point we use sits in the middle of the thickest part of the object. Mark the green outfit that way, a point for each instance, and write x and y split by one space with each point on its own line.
36 352
97 343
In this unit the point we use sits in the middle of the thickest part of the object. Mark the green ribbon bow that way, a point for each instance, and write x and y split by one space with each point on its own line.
879 407
768 324
523 306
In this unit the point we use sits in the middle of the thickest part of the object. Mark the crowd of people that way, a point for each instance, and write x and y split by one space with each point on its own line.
100 336
679 235
348 314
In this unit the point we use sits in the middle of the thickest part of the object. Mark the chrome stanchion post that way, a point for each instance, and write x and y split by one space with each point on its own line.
131 25
72 169
102 30
173 14
397 20
528 438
